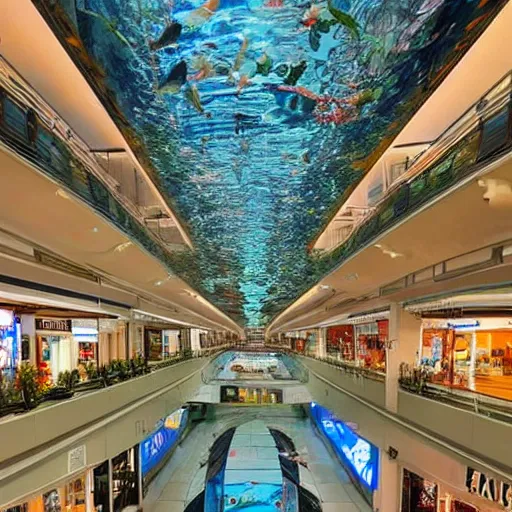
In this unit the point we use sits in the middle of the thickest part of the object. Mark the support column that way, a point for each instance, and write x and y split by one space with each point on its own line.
404 338
28 329
321 345
387 497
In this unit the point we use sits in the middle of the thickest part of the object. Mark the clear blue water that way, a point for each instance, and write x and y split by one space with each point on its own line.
285 105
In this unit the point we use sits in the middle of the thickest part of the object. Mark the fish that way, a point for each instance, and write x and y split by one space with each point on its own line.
203 13
192 96
242 83
311 16
175 79
75 42
306 157
203 67
168 37
211 45
296 71
239 60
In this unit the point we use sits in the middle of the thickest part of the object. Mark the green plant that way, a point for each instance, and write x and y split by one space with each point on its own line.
27 383
68 379
91 370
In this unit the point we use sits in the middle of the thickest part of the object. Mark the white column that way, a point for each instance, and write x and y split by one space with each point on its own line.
28 328
321 345
404 337
387 497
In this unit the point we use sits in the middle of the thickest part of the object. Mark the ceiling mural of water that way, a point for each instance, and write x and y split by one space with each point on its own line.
257 116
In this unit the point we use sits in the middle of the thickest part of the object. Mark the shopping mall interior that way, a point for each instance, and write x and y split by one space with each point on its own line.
255 255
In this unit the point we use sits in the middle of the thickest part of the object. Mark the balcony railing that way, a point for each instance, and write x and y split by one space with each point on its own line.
481 135
33 130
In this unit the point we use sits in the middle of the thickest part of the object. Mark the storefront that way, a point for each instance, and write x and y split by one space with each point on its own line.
125 479
85 334
170 343
153 344
340 342
74 495
422 494
361 341
156 449
10 342
359 457
250 396
470 353
56 349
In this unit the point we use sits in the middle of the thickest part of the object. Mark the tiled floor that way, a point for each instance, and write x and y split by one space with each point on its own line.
183 478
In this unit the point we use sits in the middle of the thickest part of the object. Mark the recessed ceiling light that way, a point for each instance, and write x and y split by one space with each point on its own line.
95 230
159 283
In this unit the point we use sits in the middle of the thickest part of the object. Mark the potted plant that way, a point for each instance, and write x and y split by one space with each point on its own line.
28 385
10 397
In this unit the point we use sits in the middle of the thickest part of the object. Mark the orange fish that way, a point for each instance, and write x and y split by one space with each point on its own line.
242 83
476 22
75 42
203 13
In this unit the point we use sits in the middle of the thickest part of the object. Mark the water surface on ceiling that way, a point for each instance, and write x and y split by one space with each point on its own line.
257 116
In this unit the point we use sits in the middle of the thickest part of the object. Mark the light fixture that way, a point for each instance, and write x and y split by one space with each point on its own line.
63 194
159 283
122 247
388 251
95 229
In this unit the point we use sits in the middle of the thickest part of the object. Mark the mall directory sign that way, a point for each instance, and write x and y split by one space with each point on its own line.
360 457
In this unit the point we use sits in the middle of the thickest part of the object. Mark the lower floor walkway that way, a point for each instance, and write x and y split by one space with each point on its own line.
183 477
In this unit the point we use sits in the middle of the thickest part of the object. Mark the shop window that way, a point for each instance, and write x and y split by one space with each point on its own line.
418 494
125 479
101 483
340 342
153 346
371 342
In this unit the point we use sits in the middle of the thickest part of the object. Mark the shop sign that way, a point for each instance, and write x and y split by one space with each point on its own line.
489 488
53 324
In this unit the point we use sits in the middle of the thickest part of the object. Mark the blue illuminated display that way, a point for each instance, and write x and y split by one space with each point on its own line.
155 447
360 456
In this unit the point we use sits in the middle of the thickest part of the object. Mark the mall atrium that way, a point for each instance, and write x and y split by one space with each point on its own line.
255 255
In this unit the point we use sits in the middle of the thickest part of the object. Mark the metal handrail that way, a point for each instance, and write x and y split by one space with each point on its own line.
15 85
495 99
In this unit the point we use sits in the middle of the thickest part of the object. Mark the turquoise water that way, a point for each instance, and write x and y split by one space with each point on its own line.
257 116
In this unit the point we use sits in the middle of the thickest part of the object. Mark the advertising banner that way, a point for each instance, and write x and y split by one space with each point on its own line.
155 448
359 456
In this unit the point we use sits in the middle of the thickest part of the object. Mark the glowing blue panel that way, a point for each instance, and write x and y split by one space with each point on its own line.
360 456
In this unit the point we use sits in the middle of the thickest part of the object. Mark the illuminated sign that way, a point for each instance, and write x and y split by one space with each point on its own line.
489 488
173 421
6 318
360 456
154 448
